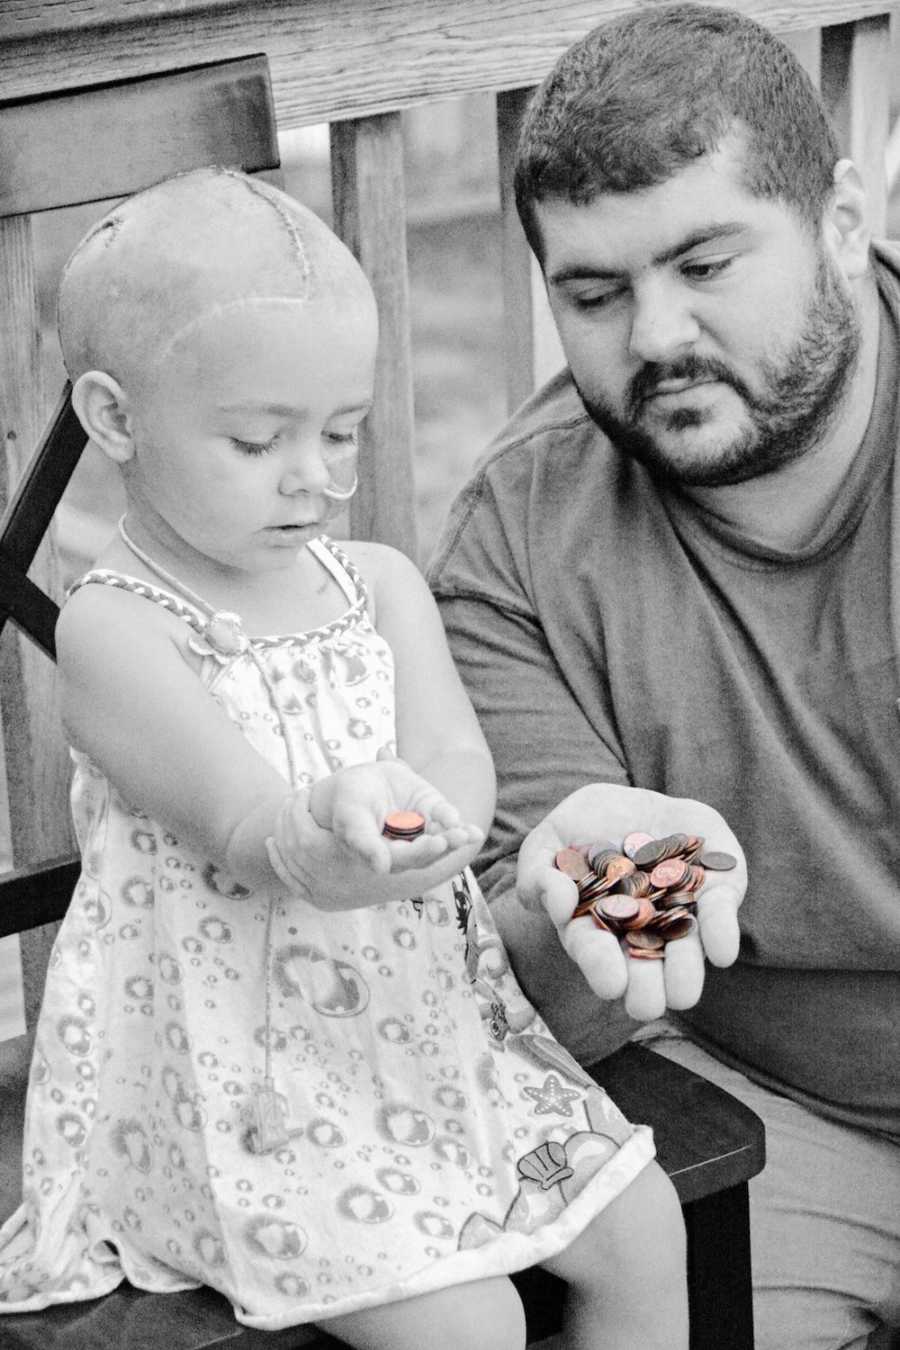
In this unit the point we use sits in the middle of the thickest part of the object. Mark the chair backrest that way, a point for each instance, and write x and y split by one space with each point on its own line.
358 68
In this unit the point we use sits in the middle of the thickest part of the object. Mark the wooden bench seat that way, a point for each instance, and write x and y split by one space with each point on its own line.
709 1144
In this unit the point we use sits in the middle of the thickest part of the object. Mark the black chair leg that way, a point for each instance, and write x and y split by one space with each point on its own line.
719 1286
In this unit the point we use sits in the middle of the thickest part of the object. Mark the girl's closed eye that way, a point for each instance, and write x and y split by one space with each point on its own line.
254 447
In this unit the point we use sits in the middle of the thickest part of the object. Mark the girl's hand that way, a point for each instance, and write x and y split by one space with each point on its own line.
354 803
602 811
328 844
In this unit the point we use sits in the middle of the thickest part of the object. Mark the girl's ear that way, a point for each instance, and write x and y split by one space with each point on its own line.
846 224
103 410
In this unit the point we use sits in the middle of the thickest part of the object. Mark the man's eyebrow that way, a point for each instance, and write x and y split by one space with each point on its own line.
709 234
290 409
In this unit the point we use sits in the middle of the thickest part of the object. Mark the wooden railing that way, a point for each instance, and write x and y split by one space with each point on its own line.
357 65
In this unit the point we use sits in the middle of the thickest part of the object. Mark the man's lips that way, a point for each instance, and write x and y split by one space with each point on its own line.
669 388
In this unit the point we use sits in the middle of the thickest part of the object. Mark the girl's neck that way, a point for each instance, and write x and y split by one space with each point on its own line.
297 598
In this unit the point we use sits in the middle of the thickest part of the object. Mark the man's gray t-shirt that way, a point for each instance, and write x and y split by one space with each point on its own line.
608 630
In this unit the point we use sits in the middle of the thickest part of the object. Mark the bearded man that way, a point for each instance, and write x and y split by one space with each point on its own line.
674 581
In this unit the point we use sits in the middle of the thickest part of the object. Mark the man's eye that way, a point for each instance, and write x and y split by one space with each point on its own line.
594 299
705 268
254 447
343 437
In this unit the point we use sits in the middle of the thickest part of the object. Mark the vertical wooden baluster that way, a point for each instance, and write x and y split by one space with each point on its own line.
856 89
518 317
370 216
36 759
532 350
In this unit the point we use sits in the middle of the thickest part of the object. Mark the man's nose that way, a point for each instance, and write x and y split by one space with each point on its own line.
663 323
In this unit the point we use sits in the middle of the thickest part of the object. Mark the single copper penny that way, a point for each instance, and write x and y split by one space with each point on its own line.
572 864
670 872
650 942
619 908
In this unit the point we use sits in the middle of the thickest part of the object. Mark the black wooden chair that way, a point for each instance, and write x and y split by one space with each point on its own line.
710 1144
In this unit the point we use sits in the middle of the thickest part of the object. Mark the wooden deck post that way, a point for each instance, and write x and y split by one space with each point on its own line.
370 216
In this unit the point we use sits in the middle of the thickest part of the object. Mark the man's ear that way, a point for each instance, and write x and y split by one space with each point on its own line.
103 410
846 222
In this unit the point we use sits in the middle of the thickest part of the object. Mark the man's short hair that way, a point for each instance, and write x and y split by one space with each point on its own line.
641 97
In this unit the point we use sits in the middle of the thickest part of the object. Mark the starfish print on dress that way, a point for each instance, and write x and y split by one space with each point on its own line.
551 1097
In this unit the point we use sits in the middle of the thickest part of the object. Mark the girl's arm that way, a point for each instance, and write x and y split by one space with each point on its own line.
132 701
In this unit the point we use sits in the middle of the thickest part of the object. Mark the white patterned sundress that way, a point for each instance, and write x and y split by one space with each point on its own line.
437 1133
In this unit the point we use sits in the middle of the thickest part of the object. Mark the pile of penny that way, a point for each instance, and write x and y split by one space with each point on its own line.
645 891
403 825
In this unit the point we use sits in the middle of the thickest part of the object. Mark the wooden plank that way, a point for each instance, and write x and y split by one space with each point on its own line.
330 59
370 216
856 89
36 758
109 141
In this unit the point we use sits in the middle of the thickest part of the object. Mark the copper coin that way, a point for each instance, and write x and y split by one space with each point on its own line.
619 908
636 883
696 878
675 900
599 856
677 928
403 825
645 915
718 862
676 844
572 864
617 867
646 954
592 887
649 942
632 842
670 872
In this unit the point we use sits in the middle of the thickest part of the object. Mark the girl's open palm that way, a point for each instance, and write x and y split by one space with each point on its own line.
329 839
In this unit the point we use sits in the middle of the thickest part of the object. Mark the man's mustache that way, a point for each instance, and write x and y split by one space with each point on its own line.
654 373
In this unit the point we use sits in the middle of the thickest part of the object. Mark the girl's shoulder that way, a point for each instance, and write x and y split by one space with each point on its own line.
107 609
378 564
397 590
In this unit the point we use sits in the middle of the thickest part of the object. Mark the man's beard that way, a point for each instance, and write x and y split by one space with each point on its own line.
799 395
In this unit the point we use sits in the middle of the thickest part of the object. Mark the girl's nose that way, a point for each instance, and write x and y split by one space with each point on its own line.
305 471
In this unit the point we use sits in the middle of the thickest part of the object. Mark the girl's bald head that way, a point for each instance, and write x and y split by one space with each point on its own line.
172 256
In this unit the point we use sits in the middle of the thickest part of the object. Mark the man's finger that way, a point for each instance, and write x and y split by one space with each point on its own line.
683 971
717 909
598 955
645 997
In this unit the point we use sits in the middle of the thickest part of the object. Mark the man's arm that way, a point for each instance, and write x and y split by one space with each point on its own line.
545 745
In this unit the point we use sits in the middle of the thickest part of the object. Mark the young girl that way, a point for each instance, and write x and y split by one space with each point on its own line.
280 1053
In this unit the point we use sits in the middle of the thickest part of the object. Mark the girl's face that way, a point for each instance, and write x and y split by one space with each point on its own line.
249 417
